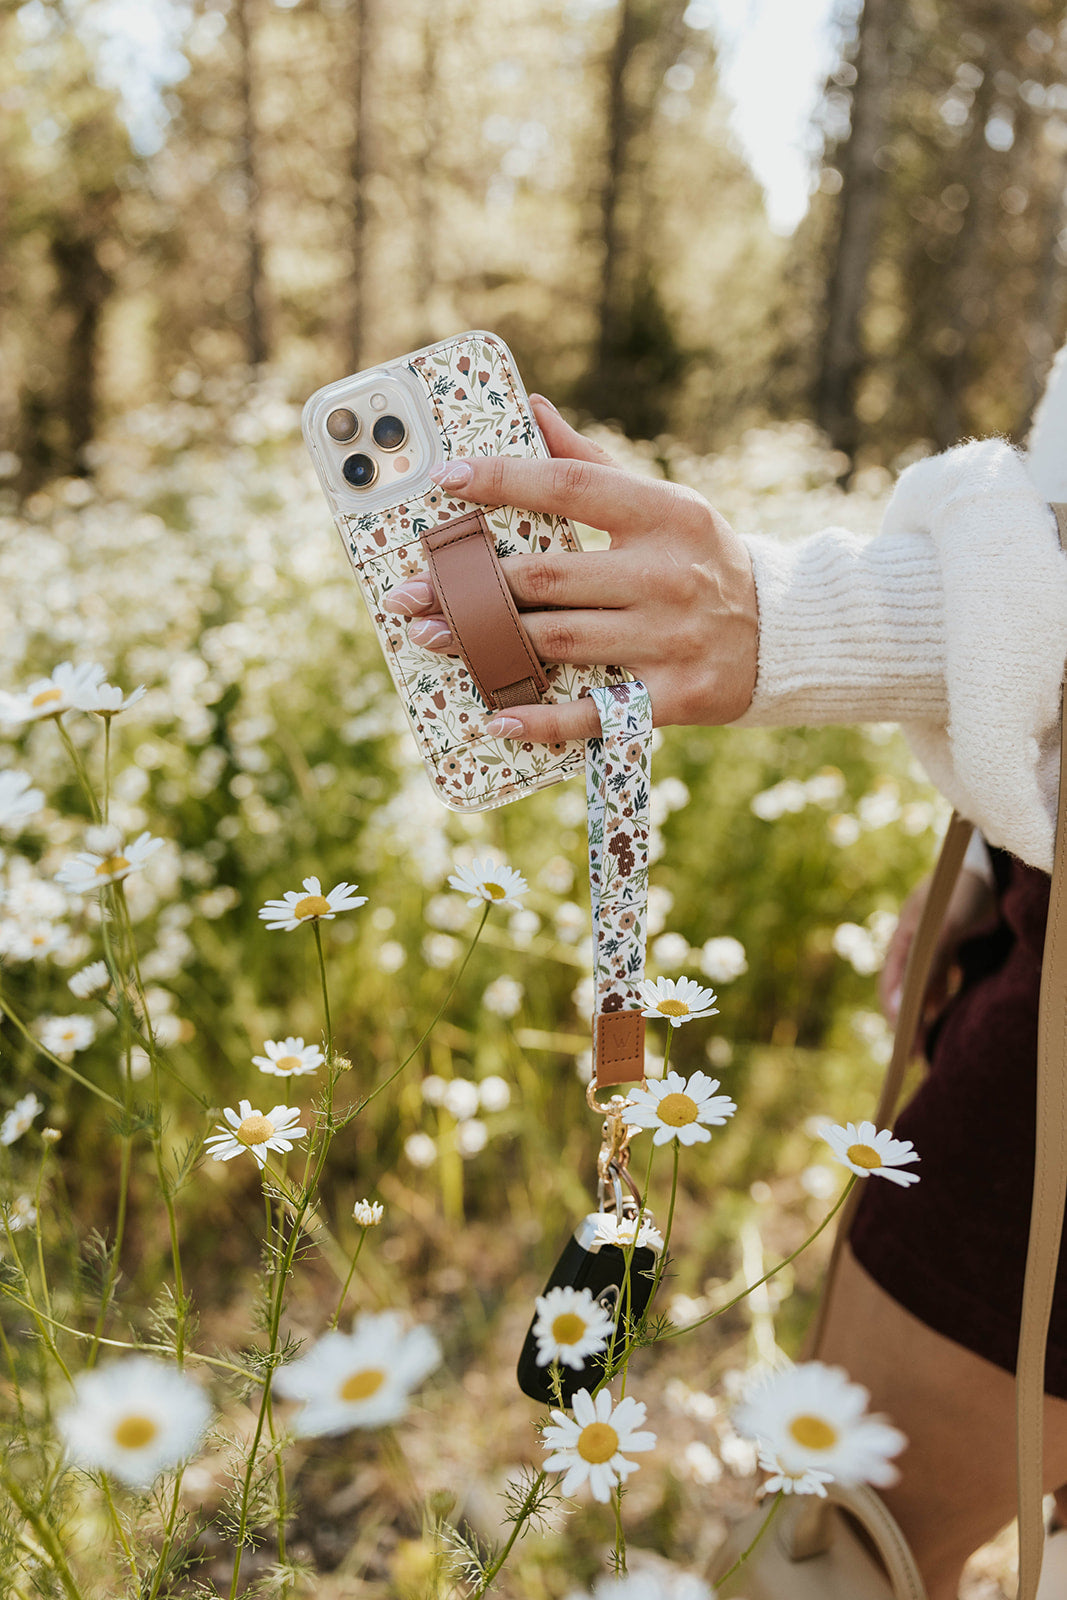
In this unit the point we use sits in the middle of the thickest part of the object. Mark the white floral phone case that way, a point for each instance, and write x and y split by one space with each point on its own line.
470 401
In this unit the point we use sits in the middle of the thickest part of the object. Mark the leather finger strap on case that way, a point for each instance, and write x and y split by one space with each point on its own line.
477 602
617 790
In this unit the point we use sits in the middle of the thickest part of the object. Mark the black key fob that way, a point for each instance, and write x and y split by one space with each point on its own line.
588 1264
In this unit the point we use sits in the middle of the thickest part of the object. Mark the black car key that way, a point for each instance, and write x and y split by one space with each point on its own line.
587 1263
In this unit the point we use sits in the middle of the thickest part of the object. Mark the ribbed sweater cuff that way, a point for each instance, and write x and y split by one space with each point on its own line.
851 630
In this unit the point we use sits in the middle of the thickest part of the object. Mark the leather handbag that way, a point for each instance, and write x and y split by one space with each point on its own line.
847 1546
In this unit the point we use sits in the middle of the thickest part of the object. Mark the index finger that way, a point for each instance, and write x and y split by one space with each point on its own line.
600 496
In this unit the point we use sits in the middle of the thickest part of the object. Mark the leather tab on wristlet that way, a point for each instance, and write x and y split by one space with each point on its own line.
486 627
620 1048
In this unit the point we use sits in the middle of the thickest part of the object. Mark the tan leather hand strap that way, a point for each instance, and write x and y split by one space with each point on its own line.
486 627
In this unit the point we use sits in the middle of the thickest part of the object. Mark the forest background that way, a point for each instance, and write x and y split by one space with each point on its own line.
311 187
323 183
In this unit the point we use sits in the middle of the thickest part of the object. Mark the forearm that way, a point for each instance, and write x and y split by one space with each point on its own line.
851 630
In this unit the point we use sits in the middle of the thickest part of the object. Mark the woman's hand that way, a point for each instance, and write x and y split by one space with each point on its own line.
673 601
971 901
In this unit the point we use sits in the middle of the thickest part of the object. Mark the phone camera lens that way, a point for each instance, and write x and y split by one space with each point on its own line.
360 471
389 433
342 425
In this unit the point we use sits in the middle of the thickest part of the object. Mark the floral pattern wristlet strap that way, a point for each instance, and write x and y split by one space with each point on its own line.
617 781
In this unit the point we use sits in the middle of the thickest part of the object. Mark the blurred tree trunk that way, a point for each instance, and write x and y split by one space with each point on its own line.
863 185
427 171
635 352
82 288
255 320
360 170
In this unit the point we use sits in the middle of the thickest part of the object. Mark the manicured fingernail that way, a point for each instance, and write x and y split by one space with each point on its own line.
545 401
409 598
453 475
430 635
503 727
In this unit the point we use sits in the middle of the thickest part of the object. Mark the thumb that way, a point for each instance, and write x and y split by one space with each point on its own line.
563 440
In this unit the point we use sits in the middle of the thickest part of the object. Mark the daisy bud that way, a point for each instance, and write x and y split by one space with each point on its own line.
368 1213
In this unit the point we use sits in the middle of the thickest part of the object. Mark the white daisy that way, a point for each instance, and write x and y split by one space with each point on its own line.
31 941
311 906
107 701
676 1109
91 869
625 1232
872 1152
589 1446
21 1213
677 999
63 1036
19 1118
360 1379
494 1092
368 1213
93 979
813 1417
289 1058
651 1586
570 1326
254 1131
810 1481
134 1419
17 800
489 880
50 697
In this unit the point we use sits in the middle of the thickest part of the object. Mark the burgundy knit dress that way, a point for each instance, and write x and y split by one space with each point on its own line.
952 1248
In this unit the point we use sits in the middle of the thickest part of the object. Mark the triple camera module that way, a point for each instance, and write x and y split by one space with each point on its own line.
388 432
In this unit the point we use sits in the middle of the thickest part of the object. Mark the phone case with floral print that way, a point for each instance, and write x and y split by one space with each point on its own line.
461 397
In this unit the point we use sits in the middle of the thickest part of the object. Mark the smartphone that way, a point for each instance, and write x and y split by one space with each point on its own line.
374 438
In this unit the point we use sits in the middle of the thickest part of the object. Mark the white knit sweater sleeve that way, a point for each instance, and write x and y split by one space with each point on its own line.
951 621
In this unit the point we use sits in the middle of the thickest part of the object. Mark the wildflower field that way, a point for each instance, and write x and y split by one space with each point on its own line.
294 1128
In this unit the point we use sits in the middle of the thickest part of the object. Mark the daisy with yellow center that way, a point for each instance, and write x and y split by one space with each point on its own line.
107 860
134 1419
812 1418
296 909
289 1058
871 1152
490 882
677 999
360 1379
256 1132
20 1118
680 1109
66 690
591 1446
569 1326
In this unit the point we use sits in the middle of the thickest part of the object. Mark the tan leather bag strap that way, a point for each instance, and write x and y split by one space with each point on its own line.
1050 1195
1050 1160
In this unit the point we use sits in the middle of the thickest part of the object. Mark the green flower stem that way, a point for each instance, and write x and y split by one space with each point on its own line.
711 1315
495 1567
661 1265
340 1304
283 1498
128 1344
325 994
39 1232
107 766
274 1325
609 1359
168 1536
364 1103
620 1537
64 1066
181 1316
120 1531
116 1249
9 1357
42 1319
764 1525
45 1534
80 771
